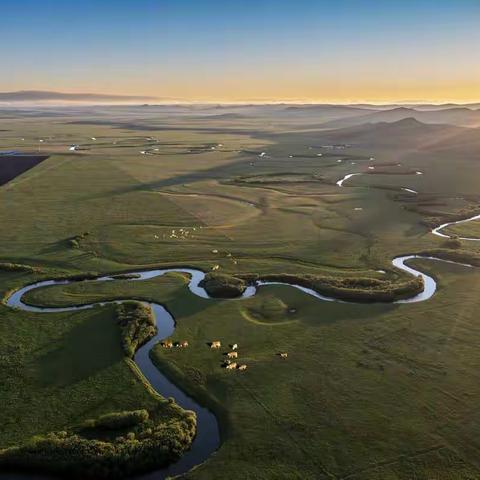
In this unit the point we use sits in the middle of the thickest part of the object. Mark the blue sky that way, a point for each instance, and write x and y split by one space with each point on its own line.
305 49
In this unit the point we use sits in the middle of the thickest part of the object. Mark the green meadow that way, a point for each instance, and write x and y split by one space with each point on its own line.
368 391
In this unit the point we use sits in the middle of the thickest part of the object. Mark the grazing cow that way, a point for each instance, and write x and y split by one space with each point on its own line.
215 344
184 344
242 367
234 346
167 344
284 355
231 366
232 354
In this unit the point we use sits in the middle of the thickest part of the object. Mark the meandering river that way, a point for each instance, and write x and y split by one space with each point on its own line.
207 439
438 230
346 177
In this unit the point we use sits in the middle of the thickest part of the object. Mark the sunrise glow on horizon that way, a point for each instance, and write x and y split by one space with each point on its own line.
256 51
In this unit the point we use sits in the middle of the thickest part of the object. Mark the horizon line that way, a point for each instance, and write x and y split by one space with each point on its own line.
138 99
56 103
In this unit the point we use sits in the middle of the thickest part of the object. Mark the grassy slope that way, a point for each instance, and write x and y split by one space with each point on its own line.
330 407
361 383
60 369
470 229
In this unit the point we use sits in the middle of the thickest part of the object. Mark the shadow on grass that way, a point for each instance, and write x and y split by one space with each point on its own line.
315 312
220 172
91 346
164 128
183 304
332 312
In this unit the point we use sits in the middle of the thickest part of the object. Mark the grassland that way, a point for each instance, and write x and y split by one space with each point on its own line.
49 381
368 391
467 230
414 377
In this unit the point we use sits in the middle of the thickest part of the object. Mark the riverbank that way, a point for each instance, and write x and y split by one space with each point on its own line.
138 328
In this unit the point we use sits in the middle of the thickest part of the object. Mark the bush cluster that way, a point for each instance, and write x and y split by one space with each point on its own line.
126 276
360 289
457 255
151 444
279 178
74 242
80 277
462 214
453 242
19 267
220 285
118 420
137 325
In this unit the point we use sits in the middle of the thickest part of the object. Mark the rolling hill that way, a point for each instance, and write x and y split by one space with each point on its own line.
460 116
405 133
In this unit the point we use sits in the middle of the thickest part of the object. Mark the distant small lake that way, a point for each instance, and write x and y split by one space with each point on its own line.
13 164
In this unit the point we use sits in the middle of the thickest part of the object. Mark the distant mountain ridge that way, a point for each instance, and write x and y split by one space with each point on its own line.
461 116
405 132
40 95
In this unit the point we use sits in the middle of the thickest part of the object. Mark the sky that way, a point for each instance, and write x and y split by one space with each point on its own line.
342 51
